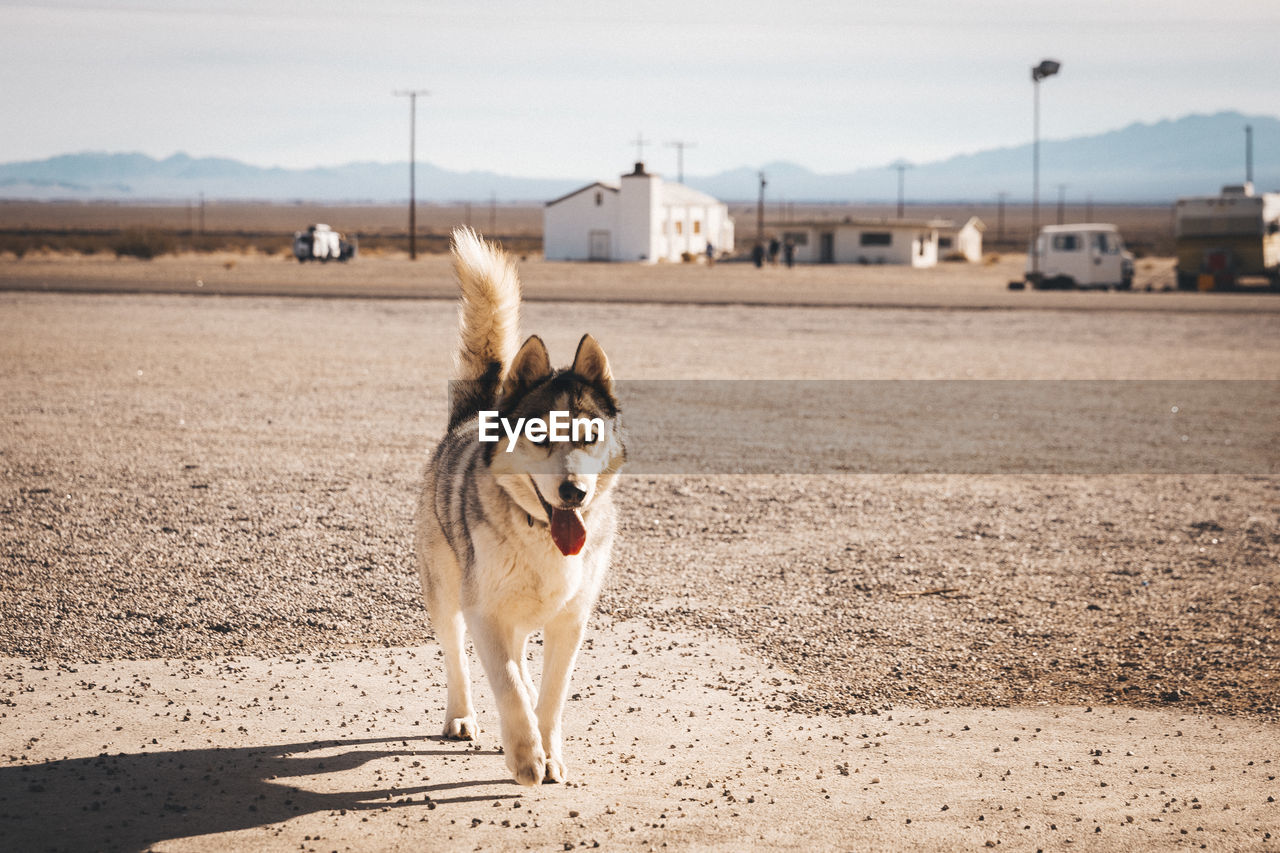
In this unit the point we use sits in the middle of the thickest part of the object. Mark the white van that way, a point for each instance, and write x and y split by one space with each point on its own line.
1090 255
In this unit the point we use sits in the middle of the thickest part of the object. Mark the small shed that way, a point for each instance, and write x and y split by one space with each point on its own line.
911 242
961 242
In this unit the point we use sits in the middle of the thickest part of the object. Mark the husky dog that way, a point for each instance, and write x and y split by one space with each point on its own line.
514 535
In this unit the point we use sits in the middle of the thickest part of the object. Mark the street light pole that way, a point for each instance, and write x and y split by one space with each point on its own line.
412 95
1046 68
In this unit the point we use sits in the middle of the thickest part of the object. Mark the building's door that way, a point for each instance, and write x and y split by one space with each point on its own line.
827 247
599 248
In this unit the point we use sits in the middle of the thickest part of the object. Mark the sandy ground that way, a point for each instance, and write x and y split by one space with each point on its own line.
674 742
949 285
188 479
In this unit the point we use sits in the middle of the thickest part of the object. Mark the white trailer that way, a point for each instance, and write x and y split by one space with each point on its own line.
1228 237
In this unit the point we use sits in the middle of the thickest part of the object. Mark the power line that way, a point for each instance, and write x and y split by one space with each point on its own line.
760 210
680 145
412 95
1248 153
901 166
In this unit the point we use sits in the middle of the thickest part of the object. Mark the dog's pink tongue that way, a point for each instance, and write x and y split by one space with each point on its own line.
567 531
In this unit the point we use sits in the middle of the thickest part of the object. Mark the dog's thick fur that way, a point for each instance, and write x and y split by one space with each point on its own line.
486 552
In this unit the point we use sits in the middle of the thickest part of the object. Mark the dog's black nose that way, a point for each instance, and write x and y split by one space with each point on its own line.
571 493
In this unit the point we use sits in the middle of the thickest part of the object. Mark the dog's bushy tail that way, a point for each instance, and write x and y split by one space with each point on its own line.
488 323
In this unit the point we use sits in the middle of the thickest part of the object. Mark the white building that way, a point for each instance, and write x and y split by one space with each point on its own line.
955 241
643 218
867 241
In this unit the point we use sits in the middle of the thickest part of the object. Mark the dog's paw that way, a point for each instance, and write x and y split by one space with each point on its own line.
555 771
527 766
461 728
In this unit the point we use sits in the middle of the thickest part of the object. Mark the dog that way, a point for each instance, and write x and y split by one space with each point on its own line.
514 535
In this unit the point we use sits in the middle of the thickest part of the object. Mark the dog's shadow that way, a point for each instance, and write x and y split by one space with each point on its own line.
132 801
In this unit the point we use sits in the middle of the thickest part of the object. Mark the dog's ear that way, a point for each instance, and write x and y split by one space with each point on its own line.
591 364
530 366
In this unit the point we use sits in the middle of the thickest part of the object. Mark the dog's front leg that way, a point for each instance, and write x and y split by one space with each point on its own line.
561 640
499 648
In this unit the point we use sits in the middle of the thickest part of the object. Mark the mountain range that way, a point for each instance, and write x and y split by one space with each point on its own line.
1156 162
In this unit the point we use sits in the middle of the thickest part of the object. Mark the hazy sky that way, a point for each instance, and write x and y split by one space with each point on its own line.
558 89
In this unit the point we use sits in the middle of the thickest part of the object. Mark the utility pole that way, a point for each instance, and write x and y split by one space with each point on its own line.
1248 153
901 166
412 95
760 211
1062 201
202 212
680 145
1000 197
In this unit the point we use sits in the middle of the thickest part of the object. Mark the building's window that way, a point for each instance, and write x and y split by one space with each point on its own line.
875 238
599 198
798 238
697 226
944 242
1066 242
679 227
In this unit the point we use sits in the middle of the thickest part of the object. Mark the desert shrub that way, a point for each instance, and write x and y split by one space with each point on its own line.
16 244
142 244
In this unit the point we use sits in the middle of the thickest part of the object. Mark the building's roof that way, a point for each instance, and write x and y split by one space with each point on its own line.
1083 226
673 193
600 184
889 224
951 225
